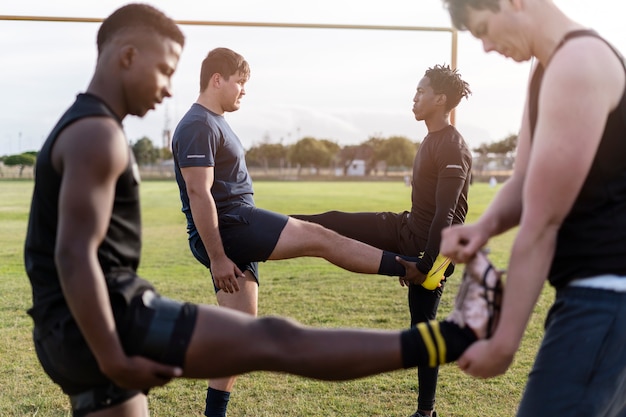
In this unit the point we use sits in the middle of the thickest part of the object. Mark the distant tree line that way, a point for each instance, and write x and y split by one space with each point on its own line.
505 146
378 153
147 154
499 155
22 160
395 152
309 152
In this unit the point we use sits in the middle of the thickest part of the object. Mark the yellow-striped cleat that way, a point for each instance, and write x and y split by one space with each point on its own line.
436 273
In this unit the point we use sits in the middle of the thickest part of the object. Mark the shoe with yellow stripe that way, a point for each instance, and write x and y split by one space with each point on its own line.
436 273
475 315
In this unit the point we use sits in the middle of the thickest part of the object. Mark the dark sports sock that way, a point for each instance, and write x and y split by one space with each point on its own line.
216 403
389 265
433 343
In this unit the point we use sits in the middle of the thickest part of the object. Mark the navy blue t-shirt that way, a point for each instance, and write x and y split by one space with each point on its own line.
204 139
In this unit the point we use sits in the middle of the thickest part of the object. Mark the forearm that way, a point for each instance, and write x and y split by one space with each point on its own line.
505 210
527 272
448 193
205 218
440 222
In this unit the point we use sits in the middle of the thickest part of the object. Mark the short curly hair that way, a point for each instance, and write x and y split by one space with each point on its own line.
447 81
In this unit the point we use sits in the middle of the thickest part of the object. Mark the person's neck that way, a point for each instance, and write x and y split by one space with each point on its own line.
551 27
210 104
108 93
436 124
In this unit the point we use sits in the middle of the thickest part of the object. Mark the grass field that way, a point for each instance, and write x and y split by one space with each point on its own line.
309 290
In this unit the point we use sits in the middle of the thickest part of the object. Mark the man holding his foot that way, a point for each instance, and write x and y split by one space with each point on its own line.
567 194
440 185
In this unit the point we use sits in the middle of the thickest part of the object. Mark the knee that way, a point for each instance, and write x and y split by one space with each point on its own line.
281 345
317 230
278 328
313 233
281 334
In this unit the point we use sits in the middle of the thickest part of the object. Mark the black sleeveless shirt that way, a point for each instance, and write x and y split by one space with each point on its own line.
121 247
592 239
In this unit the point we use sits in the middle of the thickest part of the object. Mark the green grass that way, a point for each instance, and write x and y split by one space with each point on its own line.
309 290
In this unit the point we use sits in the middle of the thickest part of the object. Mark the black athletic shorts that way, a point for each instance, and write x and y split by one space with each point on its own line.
249 235
149 325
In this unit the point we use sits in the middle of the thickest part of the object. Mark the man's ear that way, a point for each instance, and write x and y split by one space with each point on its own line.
216 80
127 55
441 99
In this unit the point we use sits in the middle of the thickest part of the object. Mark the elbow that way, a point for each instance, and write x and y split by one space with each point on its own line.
541 220
68 257
540 234
195 192
64 257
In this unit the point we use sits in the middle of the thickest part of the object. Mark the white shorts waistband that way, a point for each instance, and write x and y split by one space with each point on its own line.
602 282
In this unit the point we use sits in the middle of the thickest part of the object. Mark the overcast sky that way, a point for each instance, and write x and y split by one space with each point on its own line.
338 84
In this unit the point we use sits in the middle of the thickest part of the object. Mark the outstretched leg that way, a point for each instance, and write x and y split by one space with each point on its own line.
300 238
282 345
241 344
213 342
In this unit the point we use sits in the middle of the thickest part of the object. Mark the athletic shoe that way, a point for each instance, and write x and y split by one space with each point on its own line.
436 273
477 304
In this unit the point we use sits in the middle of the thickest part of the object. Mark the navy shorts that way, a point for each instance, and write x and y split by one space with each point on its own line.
150 325
580 368
249 235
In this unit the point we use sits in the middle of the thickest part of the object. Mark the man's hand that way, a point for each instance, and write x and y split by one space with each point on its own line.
484 359
225 274
136 372
461 242
412 275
